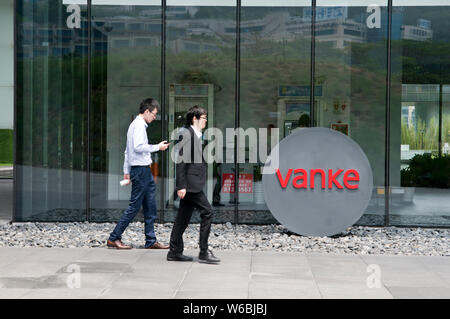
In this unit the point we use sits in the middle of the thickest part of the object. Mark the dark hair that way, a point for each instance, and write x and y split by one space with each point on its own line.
148 104
303 121
195 111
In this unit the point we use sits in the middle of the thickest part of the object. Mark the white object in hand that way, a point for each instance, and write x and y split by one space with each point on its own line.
124 182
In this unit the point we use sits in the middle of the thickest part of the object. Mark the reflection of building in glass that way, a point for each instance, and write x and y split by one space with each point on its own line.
339 32
107 32
200 35
421 32
171 12
51 40
188 35
115 33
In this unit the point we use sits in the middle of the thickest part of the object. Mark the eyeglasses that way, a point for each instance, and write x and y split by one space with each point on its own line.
204 117
153 113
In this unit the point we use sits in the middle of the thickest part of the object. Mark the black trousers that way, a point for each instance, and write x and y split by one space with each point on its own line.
187 205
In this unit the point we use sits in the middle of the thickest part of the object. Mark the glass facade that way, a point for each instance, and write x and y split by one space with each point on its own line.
351 76
261 69
52 109
126 68
6 83
420 115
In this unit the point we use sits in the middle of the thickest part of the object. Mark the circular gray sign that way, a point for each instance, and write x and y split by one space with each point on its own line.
319 183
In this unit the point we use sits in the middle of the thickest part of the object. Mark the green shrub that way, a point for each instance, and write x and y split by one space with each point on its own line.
6 146
427 171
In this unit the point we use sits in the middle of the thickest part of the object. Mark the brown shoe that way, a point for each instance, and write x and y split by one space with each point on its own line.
117 244
158 245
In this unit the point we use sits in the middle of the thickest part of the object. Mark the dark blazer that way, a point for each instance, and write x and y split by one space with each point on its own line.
191 168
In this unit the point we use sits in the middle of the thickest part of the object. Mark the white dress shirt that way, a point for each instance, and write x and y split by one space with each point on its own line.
138 151
198 133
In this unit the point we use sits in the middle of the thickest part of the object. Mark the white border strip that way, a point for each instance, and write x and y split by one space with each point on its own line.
382 3
201 3
273 3
116 2
421 3
351 3
266 3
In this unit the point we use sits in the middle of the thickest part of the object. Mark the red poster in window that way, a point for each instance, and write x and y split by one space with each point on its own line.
245 183
228 183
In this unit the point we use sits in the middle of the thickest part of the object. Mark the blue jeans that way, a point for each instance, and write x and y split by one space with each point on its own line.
143 192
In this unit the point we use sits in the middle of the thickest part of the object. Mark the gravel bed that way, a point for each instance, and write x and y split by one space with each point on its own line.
356 240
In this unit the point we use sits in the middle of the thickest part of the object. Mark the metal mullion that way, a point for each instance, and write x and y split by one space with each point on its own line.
14 212
313 62
236 109
440 115
388 118
164 121
88 124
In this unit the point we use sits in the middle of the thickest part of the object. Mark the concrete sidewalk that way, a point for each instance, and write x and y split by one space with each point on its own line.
139 273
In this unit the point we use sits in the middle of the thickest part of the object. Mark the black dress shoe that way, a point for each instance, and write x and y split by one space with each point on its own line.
217 204
178 257
208 257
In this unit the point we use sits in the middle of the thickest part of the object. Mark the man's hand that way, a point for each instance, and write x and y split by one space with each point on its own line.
126 176
163 145
181 193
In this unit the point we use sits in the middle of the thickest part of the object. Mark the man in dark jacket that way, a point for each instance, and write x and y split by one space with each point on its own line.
191 174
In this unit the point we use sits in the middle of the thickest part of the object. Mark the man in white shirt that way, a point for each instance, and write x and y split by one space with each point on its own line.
137 168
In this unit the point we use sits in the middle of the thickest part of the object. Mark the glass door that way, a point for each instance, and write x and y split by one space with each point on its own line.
275 79
201 70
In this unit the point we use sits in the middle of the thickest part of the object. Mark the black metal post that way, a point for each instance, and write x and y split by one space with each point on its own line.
14 212
88 144
313 63
440 118
164 119
388 119
236 110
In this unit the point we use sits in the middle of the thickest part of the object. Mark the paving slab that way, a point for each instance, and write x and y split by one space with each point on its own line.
9 255
265 287
13 293
291 265
439 266
348 268
218 293
134 294
406 271
113 255
420 292
351 290
65 293
34 269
